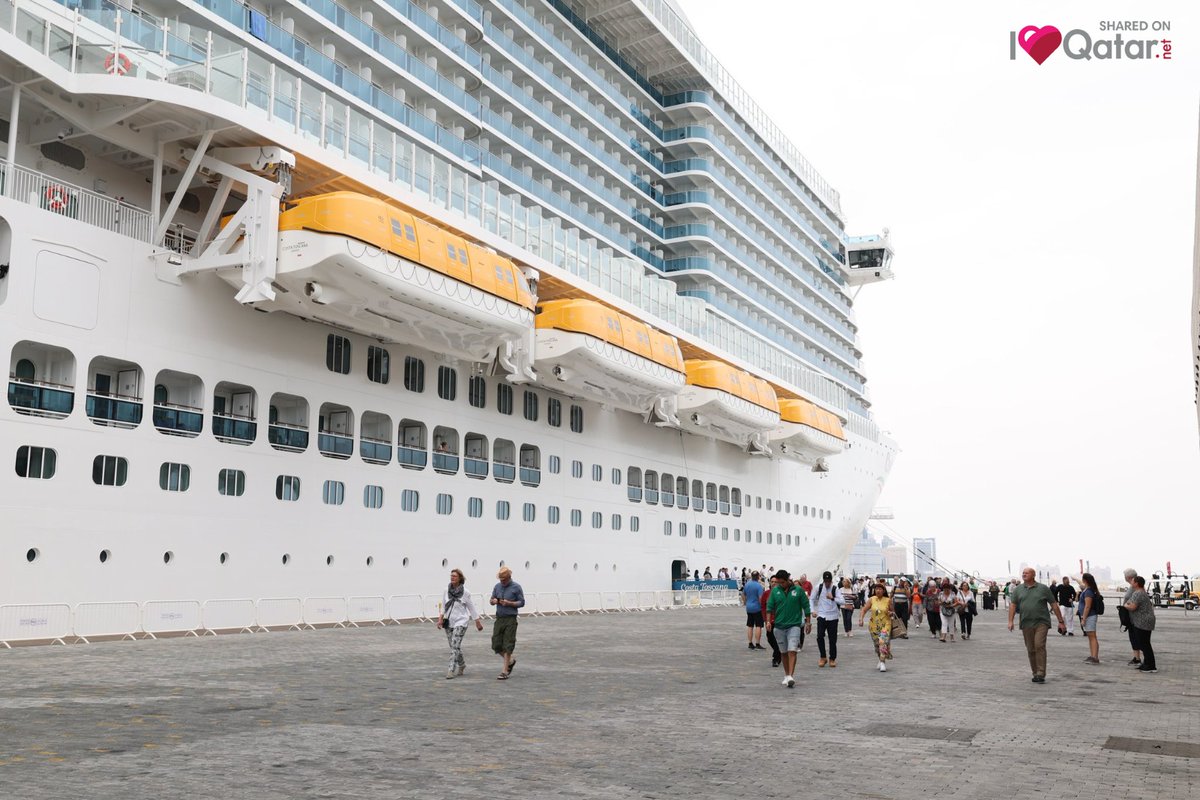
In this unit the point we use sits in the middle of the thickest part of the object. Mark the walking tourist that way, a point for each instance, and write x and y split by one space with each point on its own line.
776 655
933 608
507 597
790 611
1090 606
880 608
457 611
1066 594
806 584
752 594
948 602
918 606
900 602
827 608
995 590
1141 617
965 601
1130 574
847 607
1030 599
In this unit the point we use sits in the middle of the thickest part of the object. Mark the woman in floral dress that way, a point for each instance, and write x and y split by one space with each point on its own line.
879 605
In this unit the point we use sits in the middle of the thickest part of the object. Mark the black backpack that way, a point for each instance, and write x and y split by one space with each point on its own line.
1098 604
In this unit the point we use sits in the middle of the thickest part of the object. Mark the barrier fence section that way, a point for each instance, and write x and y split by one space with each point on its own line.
58 622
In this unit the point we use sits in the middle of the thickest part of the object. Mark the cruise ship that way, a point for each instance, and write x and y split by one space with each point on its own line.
307 301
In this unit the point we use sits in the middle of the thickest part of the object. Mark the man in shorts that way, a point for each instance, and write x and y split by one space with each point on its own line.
752 593
507 597
789 609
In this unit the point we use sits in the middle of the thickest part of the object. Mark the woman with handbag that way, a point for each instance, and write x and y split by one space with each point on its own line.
880 608
966 609
457 611
847 607
900 604
948 601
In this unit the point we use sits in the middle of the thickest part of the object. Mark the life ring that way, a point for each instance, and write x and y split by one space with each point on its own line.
117 64
57 198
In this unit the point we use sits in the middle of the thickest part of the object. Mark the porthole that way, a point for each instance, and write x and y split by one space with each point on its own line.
526 565
597 568
370 561
105 555
575 566
502 563
553 565
329 561
474 563
168 557
404 562
614 567
224 558
31 555
445 563
286 558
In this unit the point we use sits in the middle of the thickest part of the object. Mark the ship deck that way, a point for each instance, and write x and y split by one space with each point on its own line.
659 704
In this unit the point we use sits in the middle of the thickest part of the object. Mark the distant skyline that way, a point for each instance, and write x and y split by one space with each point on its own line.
1032 358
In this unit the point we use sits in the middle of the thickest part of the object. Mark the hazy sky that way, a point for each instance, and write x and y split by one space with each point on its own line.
1032 357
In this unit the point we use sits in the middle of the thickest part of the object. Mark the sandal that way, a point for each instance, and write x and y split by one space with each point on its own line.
512 665
503 676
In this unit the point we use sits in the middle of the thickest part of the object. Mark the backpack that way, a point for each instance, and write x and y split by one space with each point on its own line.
1098 605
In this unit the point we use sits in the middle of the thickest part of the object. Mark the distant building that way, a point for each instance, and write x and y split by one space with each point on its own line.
924 555
895 559
866 557
1102 575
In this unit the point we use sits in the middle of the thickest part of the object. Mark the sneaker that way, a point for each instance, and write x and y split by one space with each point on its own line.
1143 669
1071 634
759 647
1091 660
452 674
750 645
821 663
1135 662
882 667
775 662
462 669
832 663
789 681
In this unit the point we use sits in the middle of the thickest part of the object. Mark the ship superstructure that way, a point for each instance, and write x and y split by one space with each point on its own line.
311 299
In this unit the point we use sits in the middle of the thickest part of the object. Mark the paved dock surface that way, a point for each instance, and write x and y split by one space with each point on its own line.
642 705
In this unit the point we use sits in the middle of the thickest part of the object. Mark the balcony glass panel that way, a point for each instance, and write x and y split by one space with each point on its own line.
287 437
178 420
412 457
335 445
531 476
234 430
475 467
40 399
119 411
446 463
505 473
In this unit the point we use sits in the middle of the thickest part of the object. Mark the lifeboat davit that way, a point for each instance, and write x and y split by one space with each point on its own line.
729 404
808 432
588 349
360 263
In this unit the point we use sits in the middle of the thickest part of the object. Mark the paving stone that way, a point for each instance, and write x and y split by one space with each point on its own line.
641 705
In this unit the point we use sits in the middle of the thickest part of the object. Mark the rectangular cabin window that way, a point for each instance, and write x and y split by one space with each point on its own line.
531 406
372 496
502 509
174 477
451 252
554 412
231 482
555 465
410 233
635 524
410 500
414 374
378 364
333 493
552 515
477 391
504 399
445 504
110 470
529 512
576 419
475 507
36 462
287 487
447 383
576 517
337 354
576 469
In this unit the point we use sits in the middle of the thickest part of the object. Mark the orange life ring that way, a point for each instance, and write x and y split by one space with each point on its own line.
117 64
57 198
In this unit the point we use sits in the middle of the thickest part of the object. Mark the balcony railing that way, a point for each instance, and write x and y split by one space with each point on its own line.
475 467
375 451
233 429
40 399
117 411
531 476
289 438
177 420
74 202
505 473
412 457
335 445
446 463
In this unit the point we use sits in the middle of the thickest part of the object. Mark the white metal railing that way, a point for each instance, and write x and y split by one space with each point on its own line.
74 202
60 622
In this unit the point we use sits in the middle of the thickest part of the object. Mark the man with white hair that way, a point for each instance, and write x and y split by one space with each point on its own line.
1130 574
507 597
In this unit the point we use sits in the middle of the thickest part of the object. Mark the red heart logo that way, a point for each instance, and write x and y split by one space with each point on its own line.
1040 43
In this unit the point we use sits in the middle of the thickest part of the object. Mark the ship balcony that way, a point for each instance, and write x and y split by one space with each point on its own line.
375 451
445 462
475 467
335 431
289 438
531 476
234 429
335 445
504 471
475 462
40 399
412 457
114 410
178 420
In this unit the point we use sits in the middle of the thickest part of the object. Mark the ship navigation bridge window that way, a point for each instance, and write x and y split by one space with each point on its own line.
414 374
114 397
633 486
651 484
668 490
531 465
109 470
231 482
475 455
504 468
287 423
234 411
174 477
411 453
375 443
445 450
477 391
447 385
335 431
36 462
178 403
287 487
337 354
576 419
378 364
41 380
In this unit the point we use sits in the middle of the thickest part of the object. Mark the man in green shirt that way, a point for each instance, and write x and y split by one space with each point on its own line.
1030 599
788 609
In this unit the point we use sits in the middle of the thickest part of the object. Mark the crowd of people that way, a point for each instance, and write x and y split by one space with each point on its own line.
784 608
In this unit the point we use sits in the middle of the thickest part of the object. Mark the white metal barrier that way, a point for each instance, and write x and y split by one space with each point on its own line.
646 601
610 601
367 611
431 606
629 601
325 611
34 622
404 606
227 615
171 616
569 603
107 619
279 612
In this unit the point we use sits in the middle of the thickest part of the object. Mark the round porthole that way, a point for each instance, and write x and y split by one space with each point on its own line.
105 555
474 563
575 567
31 555
286 559
501 563
526 565
553 565
404 562
445 563
370 560
597 568
329 561
614 567
168 557
224 558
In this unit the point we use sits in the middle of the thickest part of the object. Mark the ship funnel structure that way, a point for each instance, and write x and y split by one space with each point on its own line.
869 259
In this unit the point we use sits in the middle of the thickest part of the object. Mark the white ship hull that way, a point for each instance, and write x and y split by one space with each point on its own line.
95 294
